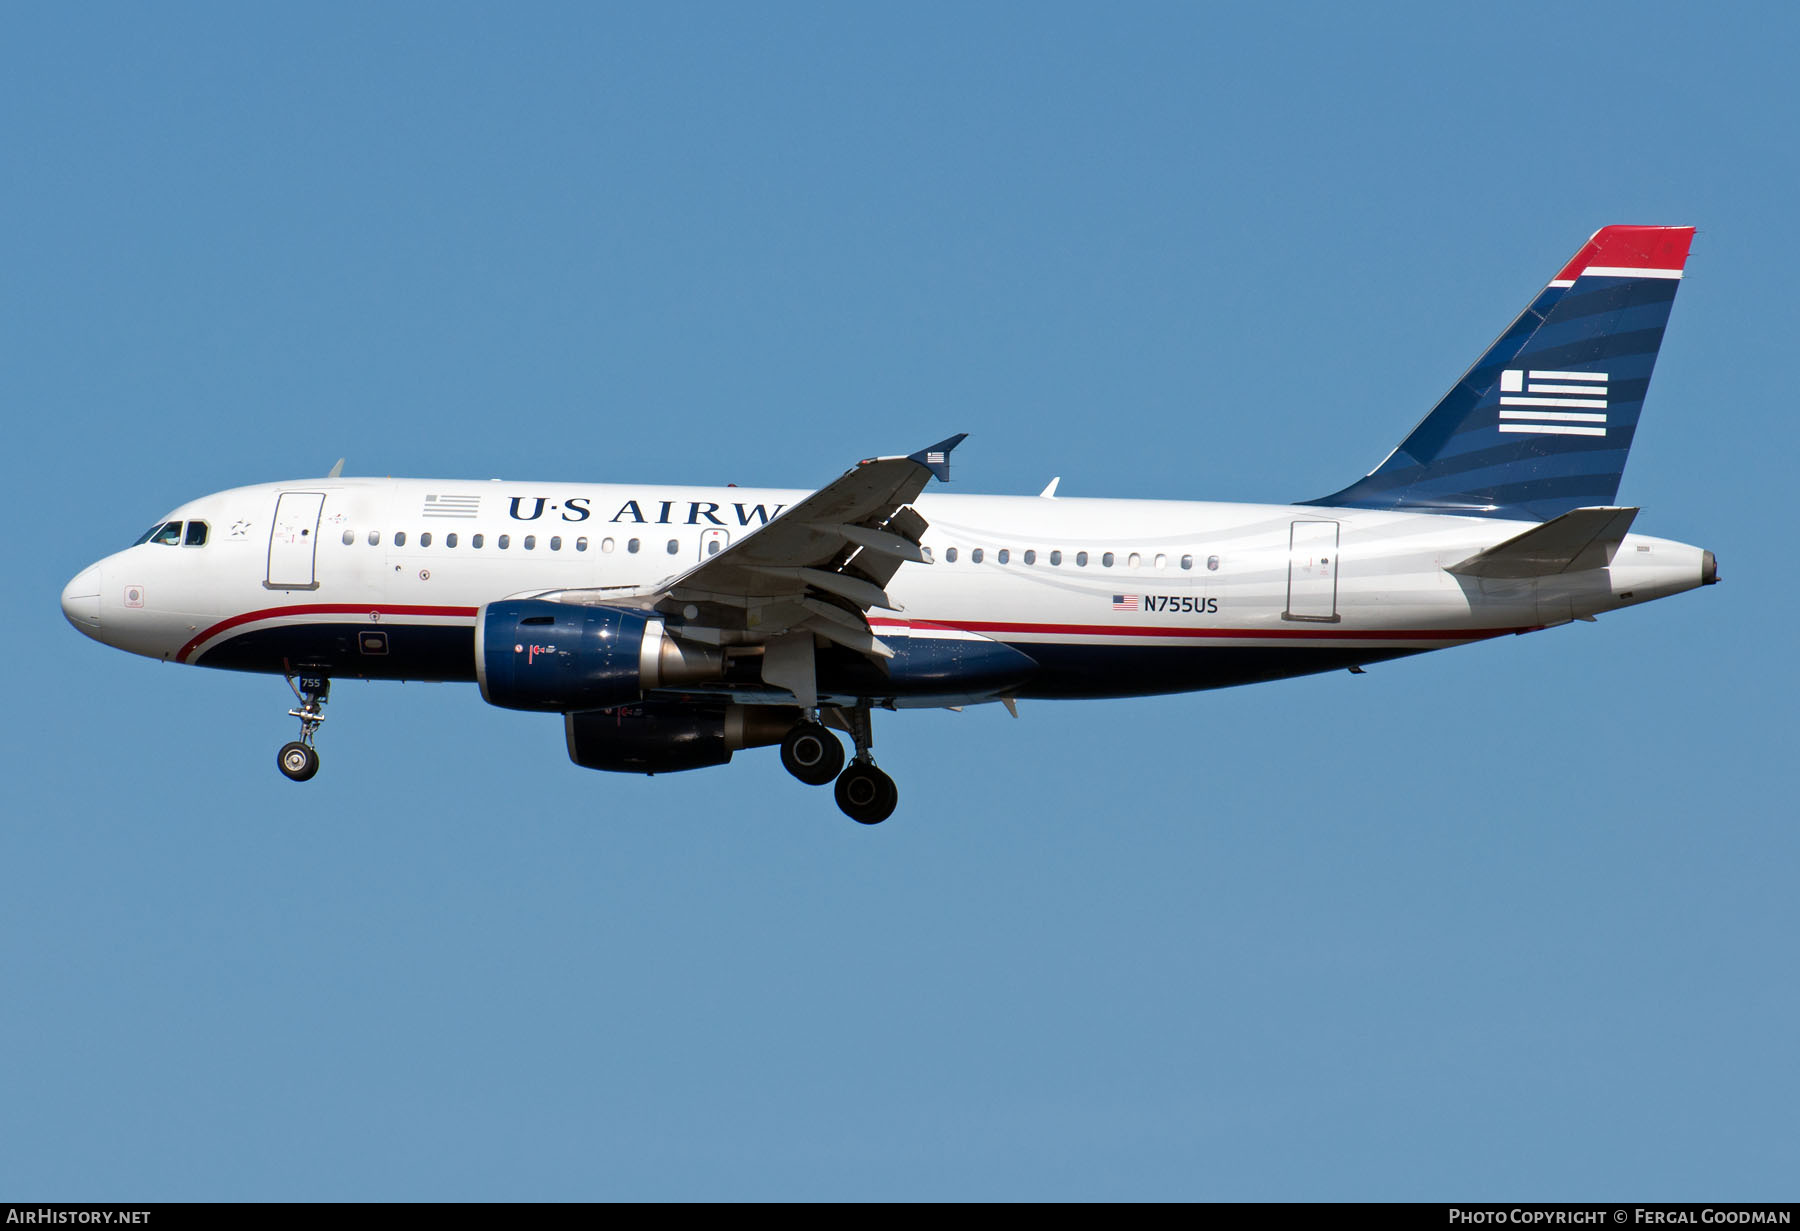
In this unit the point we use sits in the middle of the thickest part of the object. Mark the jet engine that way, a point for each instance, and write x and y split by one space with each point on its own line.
657 737
536 655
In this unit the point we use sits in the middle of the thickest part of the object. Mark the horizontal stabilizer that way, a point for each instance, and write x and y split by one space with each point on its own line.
1579 539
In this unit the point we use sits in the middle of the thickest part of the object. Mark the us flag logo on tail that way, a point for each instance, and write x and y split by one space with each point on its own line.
1563 403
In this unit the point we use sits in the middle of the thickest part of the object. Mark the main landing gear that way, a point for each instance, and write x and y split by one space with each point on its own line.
812 754
298 759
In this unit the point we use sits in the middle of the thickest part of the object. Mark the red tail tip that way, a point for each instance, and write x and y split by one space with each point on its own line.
1627 247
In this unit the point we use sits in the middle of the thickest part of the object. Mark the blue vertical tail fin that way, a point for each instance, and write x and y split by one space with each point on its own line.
1543 422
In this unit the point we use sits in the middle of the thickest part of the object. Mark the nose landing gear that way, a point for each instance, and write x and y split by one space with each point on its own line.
298 759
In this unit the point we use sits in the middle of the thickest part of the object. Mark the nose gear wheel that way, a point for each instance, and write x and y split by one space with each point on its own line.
298 759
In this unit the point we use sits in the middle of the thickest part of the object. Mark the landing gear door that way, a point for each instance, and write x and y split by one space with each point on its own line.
294 542
1312 572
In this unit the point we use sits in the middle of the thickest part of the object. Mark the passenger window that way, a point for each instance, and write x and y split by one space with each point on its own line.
196 534
503 542
477 540
1187 562
1081 559
425 539
450 540
1136 560
1056 557
1107 559
712 547
975 556
1212 562
674 547
581 543
949 555
1005 555
399 538
1031 557
632 547
374 538
1162 561
556 542
349 537
168 535
926 552
531 542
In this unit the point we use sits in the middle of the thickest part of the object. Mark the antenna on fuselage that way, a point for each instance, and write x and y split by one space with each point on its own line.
336 470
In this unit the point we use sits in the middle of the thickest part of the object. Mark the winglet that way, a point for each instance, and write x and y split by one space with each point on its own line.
936 458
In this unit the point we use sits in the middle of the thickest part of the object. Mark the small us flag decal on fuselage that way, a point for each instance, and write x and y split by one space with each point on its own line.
1563 403
452 506
1125 602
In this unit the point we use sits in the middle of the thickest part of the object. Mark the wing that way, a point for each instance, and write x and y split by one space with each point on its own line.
824 562
815 570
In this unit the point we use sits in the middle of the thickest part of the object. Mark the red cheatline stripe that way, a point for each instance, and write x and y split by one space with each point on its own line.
1258 634
276 613
971 626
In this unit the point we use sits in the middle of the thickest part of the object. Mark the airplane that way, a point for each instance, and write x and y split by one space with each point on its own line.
674 626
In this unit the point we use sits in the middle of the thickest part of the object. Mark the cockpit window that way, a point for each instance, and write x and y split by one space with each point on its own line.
169 534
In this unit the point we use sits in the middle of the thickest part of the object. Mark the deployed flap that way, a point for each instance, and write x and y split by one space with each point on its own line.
788 663
1579 539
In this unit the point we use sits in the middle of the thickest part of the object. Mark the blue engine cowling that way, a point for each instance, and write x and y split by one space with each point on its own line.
537 655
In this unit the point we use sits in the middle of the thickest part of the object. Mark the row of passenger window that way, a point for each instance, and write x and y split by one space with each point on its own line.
503 542
1108 559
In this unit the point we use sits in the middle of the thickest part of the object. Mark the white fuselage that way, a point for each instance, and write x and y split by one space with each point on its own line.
1113 597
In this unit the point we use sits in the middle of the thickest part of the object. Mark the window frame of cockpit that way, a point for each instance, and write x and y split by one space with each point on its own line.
182 534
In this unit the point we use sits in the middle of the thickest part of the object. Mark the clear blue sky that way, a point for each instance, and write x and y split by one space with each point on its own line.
1515 920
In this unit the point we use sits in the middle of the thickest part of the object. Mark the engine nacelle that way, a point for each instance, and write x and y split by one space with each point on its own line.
661 738
537 655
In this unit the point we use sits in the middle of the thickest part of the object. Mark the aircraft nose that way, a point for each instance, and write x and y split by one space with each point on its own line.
81 600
